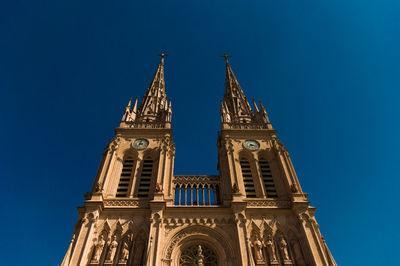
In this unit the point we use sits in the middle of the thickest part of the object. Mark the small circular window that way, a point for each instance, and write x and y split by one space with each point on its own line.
198 254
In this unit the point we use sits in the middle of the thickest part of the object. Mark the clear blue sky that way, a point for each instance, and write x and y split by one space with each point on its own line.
327 72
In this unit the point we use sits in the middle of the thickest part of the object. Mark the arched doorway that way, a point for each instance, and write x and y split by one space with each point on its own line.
182 248
198 255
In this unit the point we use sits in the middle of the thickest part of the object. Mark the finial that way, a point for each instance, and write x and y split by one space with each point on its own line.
226 56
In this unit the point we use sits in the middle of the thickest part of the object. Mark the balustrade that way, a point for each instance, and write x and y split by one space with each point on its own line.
196 190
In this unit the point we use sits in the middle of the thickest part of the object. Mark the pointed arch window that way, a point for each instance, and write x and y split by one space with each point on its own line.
247 178
267 178
125 179
145 178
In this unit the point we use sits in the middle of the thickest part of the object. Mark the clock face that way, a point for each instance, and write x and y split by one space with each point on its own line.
140 144
251 145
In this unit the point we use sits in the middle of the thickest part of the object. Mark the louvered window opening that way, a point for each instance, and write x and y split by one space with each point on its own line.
125 179
145 178
268 179
248 179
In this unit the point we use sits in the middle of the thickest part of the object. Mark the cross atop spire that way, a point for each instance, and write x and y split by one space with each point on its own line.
226 56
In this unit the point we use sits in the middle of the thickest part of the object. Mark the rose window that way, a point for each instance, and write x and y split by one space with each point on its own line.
198 255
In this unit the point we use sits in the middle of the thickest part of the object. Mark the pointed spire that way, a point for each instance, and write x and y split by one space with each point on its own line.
255 106
264 114
223 113
134 109
154 107
169 111
127 113
135 105
234 98
154 103
236 111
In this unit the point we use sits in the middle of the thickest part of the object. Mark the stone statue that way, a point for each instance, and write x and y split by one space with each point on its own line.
270 248
258 250
283 248
235 188
98 187
159 187
98 248
125 252
112 249
200 256
228 118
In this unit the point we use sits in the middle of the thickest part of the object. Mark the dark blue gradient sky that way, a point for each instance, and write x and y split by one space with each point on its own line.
327 72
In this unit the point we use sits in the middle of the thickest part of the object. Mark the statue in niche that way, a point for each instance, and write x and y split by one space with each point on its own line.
270 248
283 248
98 248
112 249
258 250
297 252
125 252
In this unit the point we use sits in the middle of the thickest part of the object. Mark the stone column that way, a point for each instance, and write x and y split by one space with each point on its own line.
157 207
244 246
84 241
316 252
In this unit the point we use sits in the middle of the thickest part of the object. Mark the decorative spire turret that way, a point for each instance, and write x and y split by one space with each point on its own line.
234 98
154 107
235 108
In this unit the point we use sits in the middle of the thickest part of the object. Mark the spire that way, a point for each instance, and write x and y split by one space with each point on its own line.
237 104
264 114
134 109
154 105
127 112
255 106
235 108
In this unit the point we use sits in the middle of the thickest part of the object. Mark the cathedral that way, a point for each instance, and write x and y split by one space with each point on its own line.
139 213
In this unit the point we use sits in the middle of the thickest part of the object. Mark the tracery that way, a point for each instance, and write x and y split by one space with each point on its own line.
198 255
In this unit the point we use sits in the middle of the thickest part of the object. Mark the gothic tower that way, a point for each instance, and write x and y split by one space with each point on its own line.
139 213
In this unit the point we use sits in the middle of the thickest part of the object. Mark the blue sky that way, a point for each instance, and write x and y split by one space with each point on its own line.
327 72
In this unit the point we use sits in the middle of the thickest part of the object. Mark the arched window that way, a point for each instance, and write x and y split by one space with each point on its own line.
125 179
247 178
145 178
267 178
198 254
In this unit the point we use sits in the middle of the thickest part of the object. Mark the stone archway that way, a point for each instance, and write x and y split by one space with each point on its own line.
188 237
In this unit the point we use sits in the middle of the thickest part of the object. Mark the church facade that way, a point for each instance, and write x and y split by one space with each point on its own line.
139 213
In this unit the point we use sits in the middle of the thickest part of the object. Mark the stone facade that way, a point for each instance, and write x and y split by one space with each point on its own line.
139 213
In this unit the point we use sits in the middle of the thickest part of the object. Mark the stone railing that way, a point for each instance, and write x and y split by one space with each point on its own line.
268 203
125 203
196 190
147 125
245 125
